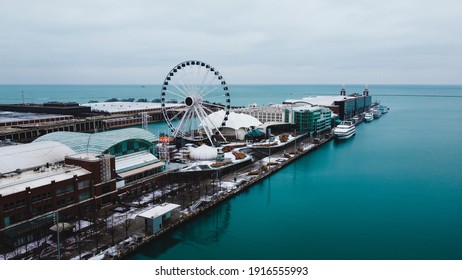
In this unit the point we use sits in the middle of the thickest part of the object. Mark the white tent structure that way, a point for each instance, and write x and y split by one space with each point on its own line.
236 125
28 156
203 152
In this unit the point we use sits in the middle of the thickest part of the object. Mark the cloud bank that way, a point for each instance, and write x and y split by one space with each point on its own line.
253 42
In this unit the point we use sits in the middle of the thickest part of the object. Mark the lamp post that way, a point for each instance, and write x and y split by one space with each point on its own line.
56 220
269 147
295 140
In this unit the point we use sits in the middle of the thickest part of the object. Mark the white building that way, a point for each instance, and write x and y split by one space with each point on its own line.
237 125
157 217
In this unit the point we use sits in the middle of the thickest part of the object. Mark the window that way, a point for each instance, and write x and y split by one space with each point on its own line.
83 185
8 206
41 196
20 202
83 196
41 209
64 190
118 149
65 202
130 146
105 189
6 221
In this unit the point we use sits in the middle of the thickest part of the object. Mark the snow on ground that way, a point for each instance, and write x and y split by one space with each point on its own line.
81 225
276 142
228 185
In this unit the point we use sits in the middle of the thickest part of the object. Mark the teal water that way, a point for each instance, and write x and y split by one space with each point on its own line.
393 191
241 95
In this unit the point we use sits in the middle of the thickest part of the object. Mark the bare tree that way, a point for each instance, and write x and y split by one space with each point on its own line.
111 229
38 247
127 224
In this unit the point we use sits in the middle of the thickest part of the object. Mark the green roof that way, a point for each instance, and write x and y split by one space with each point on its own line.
100 142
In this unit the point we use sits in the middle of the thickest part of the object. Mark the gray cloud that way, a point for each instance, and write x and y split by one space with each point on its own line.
249 41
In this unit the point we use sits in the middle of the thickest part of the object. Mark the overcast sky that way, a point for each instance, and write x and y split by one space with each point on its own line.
249 42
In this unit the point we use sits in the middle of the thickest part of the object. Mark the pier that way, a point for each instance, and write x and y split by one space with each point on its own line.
239 182
115 231
235 183
118 231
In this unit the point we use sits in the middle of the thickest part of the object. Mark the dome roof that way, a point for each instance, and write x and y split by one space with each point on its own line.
235 120
98 143
203 152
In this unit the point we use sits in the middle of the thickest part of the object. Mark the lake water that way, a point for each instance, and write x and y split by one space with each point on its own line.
393 191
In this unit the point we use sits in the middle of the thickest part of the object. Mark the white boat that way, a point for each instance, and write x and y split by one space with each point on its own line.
344 130
368 117
376 113
383 109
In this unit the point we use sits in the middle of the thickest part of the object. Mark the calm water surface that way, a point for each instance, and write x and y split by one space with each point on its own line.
394 191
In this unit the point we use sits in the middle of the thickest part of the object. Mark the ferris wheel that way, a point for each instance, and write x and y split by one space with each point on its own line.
191 91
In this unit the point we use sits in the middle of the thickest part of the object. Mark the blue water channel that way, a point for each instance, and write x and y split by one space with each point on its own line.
393 191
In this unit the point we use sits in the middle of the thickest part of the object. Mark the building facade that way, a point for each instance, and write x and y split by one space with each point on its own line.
344 106
71 175
311 119
30 199
303 117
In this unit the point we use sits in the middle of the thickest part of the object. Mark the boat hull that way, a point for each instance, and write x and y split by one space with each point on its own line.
344 136
368 117
344 130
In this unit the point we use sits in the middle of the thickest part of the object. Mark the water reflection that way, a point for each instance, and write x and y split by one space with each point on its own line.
198 233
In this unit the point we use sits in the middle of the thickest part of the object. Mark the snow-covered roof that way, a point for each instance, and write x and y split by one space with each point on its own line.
203 152
28 156
36 179
7 116
120 107
159 210
326 100
235 120
303 108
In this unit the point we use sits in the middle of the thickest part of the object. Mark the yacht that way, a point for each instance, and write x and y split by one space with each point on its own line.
368 117
376 113
344 130
383 109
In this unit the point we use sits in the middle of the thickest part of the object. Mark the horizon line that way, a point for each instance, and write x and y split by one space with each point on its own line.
237 84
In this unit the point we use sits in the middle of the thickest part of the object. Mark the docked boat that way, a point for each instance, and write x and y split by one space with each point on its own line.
368 117
376 113
383 109
344 130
